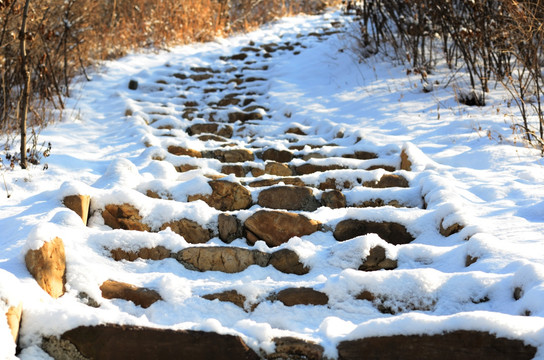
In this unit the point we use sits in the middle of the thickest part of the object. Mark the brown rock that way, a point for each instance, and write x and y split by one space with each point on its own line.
190 230
228 296
143 297
124 216
211 128
185 168
277 227
230 228
333 199
301 296
243 116
380 166
80 204
118 342
387 181
295 349
225 259
237 170
311 168
288 198
469 260
281 156
366 295
278 169
48 266
200 77
332 184
233 156
287 261
226 196
13 316
391 232
459 344
211 137
361 155
156 253
178 150
269 182
296 131
377 260
256 172
405 163
450 230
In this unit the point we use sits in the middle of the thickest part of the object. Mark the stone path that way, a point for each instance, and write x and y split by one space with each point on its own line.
271 190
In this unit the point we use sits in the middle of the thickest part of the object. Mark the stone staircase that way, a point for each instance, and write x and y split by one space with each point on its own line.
269 224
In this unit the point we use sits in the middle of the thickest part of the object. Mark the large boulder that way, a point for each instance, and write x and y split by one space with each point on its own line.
79 204
459 344
277 227
48 266
224 259
118 342
288 198
143 297
391 232
124 216
190 230
225 196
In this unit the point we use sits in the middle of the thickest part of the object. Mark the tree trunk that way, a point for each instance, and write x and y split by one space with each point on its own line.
25 96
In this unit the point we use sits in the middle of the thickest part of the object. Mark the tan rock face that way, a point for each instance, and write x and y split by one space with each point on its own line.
118 342
48 266
228 296
387 181
190 230
80 204
288 198
293 348
393 233
269 182
405 163
233 156
281 156
278 169
178 150
156 253
13 316
143 297
301 296
311 168
124 216
459 344
277 227
287 261
377 260
224 259
211 128
450 230
230 228
226 196
237 170
333 199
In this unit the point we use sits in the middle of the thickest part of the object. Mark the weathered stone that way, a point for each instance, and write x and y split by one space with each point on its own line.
190 230
277 227
288 198
469 260
287 261
366 295
143 297
233 156
450 230
459 344
314 155
226 196
133 84
230 228
118 342
155 253
269 182
332 184
281 156
185 167
518 293
181 151
278 169
296 131
152 194
295 349
333 199
80 204
256 172
243 116
311 168
405 163
200 77
211 137
377 260
387 181
231 296
13 316
378 203
225 259
124 216
211 128
391 232
48 266
361 155
237 170
301 296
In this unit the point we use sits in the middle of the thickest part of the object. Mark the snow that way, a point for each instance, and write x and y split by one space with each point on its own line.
105 148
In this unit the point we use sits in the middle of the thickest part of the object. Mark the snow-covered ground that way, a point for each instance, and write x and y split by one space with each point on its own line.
491 184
